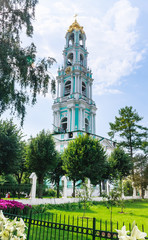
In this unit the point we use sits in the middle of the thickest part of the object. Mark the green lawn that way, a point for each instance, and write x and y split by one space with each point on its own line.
136 210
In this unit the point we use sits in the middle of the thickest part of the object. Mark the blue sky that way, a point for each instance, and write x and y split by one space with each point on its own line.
117 42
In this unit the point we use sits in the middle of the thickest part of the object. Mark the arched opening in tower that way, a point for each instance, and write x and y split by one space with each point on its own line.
64 124
81 40
81 59
83 89
86 125
71 40
67 88
70 59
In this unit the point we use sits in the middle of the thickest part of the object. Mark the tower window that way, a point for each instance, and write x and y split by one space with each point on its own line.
67 88
86 125
83 89
71 40
64 124
70 59
81 40
81 59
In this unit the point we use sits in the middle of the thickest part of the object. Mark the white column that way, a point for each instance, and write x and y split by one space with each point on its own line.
62 88
33 179
58 118
64 184
90 90
71 85
94 123
83 119
73 118
78 84
89 187
91 122
107 187
80 118
68 120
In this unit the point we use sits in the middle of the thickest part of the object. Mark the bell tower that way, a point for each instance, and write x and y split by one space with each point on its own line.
74 111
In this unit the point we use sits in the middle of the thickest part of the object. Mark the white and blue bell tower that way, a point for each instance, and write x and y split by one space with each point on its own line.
74 111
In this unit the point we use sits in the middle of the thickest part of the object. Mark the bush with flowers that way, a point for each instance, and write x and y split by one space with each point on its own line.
6 204
136 234
11 229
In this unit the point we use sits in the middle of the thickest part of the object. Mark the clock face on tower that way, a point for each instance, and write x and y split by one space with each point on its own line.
68 70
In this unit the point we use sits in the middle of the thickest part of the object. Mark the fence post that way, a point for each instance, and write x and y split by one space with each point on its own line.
30 219
94 229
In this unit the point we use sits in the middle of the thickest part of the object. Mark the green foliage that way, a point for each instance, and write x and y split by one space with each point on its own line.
120 163
84 158
127 187
141 172
41 155
50 192
84 195
10 147
19 68
57 173
131 132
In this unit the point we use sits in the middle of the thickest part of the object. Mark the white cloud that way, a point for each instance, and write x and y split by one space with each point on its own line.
111 39
115 55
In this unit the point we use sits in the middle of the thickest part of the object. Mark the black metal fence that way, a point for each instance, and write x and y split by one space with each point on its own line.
48 226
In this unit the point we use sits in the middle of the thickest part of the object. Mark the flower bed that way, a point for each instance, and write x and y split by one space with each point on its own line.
7 204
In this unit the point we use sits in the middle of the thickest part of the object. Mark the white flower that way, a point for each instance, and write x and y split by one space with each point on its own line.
13 230
137 234
122 234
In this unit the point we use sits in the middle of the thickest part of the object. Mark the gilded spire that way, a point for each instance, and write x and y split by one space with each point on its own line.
75 26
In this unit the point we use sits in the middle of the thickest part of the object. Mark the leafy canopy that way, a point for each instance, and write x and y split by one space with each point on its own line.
127 125
19 69
41 155
10 147
84 158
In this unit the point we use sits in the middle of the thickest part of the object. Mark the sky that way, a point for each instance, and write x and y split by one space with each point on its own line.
117 42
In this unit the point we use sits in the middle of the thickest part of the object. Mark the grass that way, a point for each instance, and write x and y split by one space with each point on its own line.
135 210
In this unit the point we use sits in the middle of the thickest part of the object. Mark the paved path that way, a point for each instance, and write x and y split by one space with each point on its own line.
38 201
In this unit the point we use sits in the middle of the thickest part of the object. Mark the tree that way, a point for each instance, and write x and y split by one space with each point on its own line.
120 163
84 158
129 129
10 147
141 171
41 156
120 167
57 173
19 70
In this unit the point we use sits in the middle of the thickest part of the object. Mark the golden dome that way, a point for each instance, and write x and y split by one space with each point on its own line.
75 26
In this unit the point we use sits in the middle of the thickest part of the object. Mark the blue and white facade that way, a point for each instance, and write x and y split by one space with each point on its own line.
74 110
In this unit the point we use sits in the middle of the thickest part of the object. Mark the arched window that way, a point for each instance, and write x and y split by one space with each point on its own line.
86 125
81 59
67 88
83 89
71 40
64 124
81 40
70 59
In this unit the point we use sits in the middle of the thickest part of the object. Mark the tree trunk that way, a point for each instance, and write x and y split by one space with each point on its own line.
74 188
100 188
58 189
40 187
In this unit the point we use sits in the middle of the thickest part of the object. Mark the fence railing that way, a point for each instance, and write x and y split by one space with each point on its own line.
15 190
45 226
